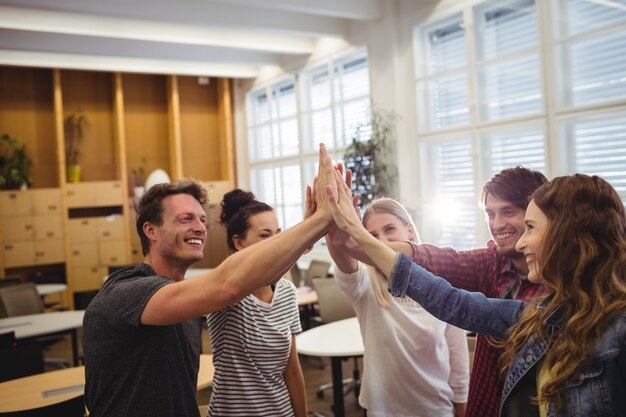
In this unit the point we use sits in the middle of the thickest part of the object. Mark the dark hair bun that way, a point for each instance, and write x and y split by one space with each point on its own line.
234 201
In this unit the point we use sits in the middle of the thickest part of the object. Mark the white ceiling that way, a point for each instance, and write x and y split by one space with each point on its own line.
232 38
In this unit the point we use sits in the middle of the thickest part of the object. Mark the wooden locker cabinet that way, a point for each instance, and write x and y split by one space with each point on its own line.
15 203
88 277
96 243
95 194
32 227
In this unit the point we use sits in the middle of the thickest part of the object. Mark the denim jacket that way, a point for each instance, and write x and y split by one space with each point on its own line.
599 389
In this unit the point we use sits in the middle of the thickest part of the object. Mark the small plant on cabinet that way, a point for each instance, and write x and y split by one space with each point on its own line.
74 127
14 164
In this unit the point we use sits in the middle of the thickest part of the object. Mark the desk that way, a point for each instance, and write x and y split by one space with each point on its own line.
34 325
57 386
338 340
306 298
46 289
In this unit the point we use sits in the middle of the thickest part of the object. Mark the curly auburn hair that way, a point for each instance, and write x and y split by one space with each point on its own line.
582 261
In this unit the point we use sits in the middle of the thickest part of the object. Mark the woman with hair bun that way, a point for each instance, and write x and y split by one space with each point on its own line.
257 371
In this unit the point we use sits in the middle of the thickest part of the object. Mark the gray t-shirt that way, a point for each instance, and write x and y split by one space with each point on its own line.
133 369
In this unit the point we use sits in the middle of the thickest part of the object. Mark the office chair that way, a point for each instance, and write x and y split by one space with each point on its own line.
48 277
334 306
317 269
20 300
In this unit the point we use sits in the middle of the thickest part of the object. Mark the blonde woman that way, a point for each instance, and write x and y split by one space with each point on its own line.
414 364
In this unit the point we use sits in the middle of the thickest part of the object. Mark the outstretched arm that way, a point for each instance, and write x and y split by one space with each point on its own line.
248 269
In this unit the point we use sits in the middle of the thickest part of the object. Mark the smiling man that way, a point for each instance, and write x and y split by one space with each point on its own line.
142 332
498 271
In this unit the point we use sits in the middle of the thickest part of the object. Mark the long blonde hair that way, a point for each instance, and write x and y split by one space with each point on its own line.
388 206
582 261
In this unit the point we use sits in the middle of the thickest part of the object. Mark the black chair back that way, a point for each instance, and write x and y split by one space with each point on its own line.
20 361
10 281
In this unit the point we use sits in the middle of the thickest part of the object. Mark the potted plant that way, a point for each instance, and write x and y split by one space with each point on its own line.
14 164
74 128
138 176
368 157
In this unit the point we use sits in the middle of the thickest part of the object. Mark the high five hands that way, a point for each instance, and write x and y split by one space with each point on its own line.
331 193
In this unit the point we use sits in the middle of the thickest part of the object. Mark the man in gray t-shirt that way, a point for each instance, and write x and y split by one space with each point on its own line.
164 359
141 336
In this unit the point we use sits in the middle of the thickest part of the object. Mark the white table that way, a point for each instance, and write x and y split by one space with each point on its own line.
34 325
46 289
338 340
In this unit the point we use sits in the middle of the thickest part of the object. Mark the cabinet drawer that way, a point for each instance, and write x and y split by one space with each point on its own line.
49 252
109 193
110 228
84 253
136 255
113 253
14 203
48 227
88 277
18 228
83 229
19 254
46 201
81 194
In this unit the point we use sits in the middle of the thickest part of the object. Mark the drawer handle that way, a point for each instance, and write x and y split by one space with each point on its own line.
76 253
8 247
106 234
50 234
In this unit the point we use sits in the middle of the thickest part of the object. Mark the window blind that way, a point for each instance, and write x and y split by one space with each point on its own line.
444 95
505 27
577 16
599 147
455 194
517 147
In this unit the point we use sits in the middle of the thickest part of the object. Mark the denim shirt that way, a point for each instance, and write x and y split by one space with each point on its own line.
599 388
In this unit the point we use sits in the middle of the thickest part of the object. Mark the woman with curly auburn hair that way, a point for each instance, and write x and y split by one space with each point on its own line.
564 353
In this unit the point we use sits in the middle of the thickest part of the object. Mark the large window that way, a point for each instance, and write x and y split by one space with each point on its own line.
522 82
289 119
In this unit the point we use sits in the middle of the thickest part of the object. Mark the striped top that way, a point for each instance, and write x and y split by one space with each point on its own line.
251 342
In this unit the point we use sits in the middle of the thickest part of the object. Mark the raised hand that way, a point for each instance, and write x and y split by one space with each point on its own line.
343 208
310 205
326 186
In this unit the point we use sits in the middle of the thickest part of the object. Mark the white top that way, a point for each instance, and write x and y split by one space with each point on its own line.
251 343
339 338
414 364
33 325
